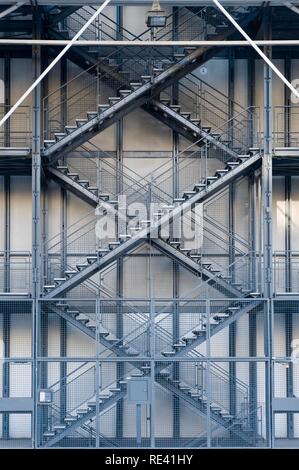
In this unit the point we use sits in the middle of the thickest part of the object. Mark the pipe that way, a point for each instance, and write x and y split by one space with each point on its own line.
53 63
256 48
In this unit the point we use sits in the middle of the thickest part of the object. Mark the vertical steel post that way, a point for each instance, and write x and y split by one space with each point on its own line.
152 380
267 227
6 314
63 241
175 265
232 326
288 315
36 204
252 315
287 102
251 94
120 267
7 248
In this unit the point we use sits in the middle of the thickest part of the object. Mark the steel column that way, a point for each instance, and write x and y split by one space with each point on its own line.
252 315
288 315
267 228
36 205
119 265
175 265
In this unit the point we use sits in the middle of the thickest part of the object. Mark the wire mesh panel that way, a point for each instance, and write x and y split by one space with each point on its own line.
65 389
15 272
17 132
16 398
68 326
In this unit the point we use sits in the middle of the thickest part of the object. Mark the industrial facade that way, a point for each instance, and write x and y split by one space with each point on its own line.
149 231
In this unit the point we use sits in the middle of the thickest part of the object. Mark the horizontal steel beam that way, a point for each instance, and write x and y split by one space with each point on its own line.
85 43
196 3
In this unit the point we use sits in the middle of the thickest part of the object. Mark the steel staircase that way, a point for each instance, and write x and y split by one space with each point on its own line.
140 94
184 391
136 94
121 247
133 95
195 263
59 430
200 404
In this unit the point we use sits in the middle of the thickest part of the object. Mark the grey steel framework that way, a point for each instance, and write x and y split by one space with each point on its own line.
150 338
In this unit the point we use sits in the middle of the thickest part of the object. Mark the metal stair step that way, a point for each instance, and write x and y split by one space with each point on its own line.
199 187
59 280
49 287
135 85
123 384
113 245
211 179
174 243
70 129
132 353
82 411
221 315
104 196
62 168
70 419
103 332
91 115
179 200
232 164
164 373
179 56
168 353
186 115
233 309
175 107
81 266
74 176
62 305
255 294
179 346
59 136
49 143
184 388
188 339
103 251
91 259
81 122
59 427
221 172
83 319
198 331
73 313
115 390
49 434
188 194
93 189
103 107
70 273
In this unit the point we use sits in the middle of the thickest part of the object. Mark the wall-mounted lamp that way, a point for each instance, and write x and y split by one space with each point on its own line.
156 17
